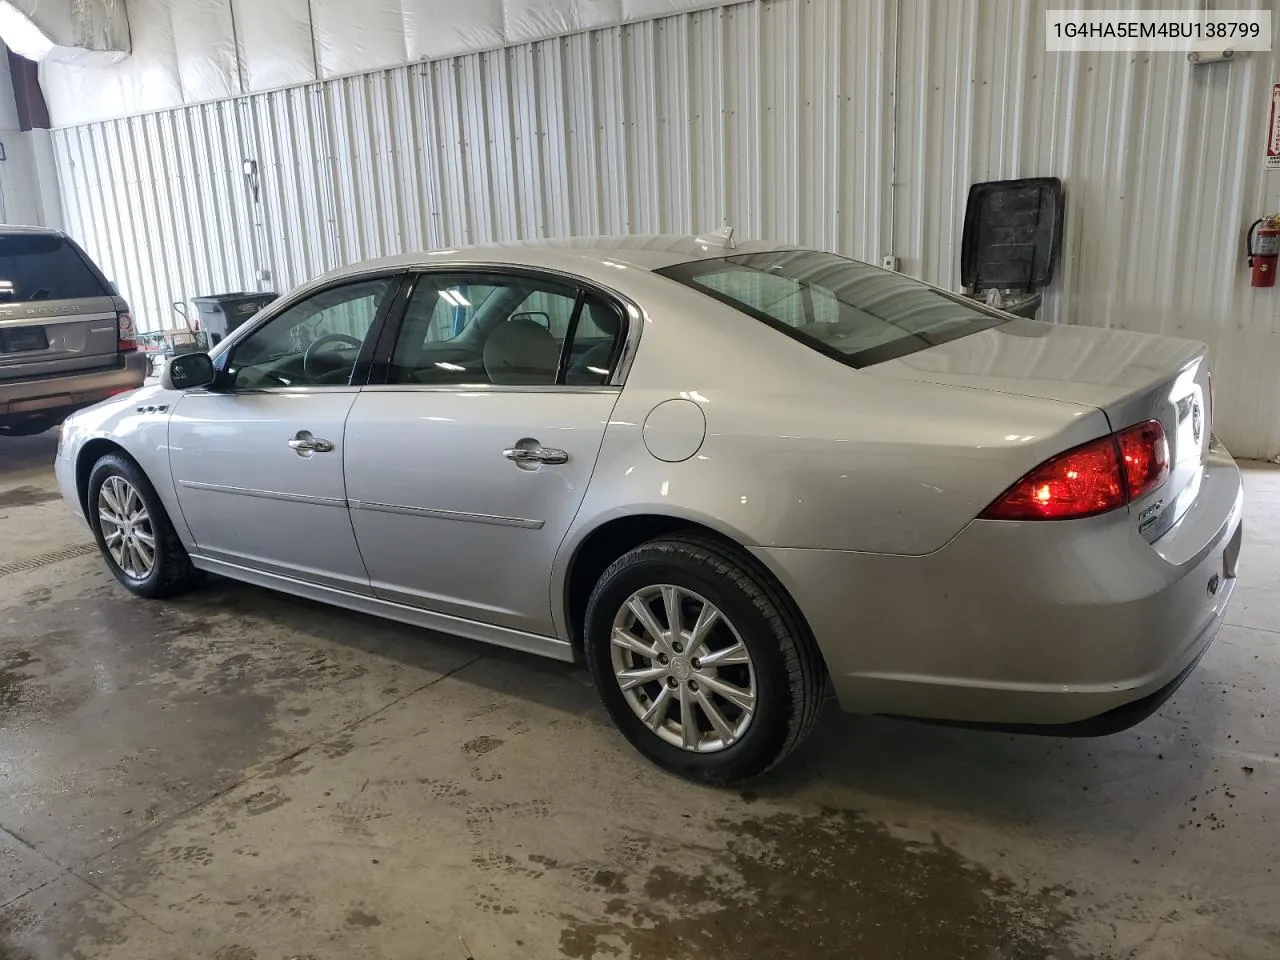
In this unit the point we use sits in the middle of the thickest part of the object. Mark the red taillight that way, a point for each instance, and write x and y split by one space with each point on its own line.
127 340
1145 454
1094 478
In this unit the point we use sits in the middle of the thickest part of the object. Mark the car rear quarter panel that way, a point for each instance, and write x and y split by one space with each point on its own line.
803 451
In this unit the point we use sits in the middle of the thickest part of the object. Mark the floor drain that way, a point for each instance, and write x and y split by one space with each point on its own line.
45 559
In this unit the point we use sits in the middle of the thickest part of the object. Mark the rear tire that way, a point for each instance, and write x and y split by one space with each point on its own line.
719 704
133 531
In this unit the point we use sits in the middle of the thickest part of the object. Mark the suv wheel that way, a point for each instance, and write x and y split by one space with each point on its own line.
133 531
701 661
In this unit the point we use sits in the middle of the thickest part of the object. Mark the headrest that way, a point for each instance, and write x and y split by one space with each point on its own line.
521 351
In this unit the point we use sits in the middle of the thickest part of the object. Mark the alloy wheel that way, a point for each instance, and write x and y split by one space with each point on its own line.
683 668
126 528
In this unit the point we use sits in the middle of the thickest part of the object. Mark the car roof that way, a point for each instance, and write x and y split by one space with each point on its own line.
25 229
640 251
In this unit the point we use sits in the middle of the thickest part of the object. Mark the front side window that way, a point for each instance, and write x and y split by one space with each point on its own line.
314 343
508 331
852 311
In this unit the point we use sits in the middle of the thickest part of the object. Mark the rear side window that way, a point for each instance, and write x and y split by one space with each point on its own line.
849 310
37 267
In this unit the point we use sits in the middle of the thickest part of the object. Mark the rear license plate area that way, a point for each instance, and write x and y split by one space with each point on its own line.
23 340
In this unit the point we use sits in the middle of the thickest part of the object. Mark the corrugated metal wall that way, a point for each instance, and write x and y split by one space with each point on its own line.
854 127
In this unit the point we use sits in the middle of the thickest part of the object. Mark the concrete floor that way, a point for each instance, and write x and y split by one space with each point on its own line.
241 775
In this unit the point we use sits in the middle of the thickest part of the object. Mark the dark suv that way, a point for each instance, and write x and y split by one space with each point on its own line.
66 338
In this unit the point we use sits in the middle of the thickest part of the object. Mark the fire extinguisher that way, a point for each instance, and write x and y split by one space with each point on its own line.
1263 248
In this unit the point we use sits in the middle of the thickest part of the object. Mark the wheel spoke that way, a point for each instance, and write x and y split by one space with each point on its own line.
689 734
108 493
657 711
708 617
645 616
735 695
144 537
145 554
629 679
629 641
717 718
112 538
127 565
729 656
106 517
671 602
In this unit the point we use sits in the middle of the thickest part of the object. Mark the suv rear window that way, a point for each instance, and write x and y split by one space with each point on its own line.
36 267
852 311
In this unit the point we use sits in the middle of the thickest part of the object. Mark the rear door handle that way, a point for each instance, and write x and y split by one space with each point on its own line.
536 455
305 443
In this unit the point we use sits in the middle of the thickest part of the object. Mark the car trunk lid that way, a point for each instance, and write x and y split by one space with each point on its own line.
1130 377
51 338
57 313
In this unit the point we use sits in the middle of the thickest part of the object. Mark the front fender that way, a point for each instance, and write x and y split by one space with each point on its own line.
138 425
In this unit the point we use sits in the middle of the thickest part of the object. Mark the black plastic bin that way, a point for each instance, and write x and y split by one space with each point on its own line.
221 313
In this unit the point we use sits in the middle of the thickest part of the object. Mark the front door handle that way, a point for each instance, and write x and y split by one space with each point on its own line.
536 455
304 443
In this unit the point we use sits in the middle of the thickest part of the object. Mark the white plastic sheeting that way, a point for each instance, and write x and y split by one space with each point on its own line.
852 127
83 32
191 51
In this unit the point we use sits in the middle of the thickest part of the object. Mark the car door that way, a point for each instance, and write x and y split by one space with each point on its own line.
466 465
257 458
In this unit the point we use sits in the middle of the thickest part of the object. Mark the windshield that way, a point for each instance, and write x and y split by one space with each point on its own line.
850 310
44 267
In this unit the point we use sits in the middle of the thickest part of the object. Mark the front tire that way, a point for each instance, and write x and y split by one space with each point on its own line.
133 531
701 660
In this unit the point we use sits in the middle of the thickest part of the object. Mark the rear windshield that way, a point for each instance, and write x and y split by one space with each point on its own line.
36 267
850 310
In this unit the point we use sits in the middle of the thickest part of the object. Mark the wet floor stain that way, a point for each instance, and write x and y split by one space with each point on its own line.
481 745
358 918
26 497
828 885
12 678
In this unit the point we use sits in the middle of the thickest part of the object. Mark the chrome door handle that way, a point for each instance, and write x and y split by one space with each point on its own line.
304 442
536 455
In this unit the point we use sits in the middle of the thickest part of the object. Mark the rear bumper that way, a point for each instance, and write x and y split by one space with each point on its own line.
56 397
1040 624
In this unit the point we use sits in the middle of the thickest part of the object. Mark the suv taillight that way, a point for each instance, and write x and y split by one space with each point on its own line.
127 340
1093 478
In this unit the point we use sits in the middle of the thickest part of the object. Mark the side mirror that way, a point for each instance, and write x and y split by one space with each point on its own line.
187 371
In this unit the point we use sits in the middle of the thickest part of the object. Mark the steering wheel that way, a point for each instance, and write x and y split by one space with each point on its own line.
317 345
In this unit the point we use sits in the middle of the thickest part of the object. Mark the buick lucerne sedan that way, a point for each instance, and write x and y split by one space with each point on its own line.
735 479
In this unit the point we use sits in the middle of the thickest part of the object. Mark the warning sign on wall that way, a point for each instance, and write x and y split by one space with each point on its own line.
1273 129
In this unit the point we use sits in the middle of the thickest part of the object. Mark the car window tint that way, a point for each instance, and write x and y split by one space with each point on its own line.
595 348
313 343
853 311
511 331
452 311
39 267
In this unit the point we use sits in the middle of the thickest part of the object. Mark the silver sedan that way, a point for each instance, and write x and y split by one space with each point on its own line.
734 478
